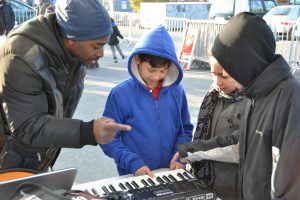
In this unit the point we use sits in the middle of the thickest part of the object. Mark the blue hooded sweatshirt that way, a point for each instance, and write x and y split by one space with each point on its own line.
157 126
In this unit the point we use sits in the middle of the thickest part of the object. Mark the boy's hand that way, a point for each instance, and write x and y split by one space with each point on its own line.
144 171
105 129
174 164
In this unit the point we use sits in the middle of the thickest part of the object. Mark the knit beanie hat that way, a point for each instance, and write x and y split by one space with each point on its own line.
82 19
245 47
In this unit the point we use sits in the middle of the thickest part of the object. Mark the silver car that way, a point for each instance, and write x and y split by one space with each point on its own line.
282 19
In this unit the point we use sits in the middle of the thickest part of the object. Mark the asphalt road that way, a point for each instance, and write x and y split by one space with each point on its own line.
90 161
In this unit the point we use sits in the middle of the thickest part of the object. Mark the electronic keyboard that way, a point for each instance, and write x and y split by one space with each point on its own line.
174 184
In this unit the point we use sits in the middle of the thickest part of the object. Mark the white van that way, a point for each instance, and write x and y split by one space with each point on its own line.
225 9
153 13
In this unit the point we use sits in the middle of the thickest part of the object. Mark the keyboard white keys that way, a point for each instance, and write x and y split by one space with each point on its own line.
129 182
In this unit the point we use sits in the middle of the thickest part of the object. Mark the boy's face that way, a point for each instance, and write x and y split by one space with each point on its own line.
151 76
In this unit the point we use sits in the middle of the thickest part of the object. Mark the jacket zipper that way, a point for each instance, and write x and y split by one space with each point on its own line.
249 113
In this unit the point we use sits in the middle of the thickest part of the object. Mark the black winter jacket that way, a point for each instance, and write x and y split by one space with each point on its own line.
41 84
113 40
270 143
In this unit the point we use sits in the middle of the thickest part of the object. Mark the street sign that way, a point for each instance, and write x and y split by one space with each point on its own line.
188 46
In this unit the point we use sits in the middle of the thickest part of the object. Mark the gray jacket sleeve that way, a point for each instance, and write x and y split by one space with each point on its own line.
206 145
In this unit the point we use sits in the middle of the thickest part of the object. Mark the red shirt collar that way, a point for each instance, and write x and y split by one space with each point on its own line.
155 91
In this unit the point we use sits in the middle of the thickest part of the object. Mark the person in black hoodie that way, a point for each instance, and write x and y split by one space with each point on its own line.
270 136
42 78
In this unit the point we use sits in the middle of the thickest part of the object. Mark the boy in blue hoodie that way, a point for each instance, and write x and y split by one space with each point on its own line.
154 103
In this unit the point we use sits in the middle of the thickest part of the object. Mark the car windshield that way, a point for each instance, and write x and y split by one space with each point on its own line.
280 11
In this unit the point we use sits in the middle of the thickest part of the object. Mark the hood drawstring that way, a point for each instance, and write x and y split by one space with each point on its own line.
137 96
177 106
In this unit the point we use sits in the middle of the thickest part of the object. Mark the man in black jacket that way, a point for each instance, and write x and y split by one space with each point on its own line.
42 76
270 136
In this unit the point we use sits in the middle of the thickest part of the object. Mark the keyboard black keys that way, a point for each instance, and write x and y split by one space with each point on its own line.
111 187
104 188
128 186
151 182
180 176
158 179
122 186
95 192
135 185
187 176
145 183
172 178
166 179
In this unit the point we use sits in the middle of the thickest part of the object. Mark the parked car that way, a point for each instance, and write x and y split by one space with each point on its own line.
281 19
23 12
295 2
225 9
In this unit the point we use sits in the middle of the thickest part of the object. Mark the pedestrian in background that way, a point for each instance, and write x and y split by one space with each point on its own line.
114 42
7 15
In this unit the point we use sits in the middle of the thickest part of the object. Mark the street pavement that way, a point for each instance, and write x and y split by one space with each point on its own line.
90 161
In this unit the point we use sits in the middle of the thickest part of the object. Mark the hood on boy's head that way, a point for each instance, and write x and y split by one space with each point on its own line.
245 47
157 42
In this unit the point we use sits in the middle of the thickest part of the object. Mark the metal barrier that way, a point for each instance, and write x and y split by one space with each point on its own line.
130 27
287 40
287 35
23 15
208 30
294 52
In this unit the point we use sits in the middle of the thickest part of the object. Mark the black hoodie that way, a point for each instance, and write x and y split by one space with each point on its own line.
270 137
245 47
